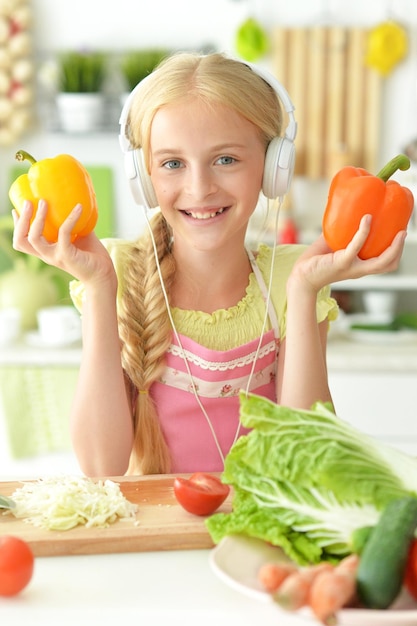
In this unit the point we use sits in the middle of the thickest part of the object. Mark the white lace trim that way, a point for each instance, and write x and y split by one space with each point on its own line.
215 366
217 389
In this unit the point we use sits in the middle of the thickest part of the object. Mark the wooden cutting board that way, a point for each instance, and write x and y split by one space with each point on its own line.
161 524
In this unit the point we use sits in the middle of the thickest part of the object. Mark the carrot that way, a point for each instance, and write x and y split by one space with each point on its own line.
330 591
294 592
349 564
271 575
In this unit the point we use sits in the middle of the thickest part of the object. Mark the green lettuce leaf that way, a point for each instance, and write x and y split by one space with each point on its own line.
306 480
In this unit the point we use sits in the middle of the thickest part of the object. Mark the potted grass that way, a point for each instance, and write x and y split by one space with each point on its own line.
135 65
80 97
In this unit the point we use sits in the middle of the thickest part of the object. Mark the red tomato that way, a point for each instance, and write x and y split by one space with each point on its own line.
201 494
16 565
410 580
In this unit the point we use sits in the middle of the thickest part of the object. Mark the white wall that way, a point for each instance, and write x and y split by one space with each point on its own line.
122 24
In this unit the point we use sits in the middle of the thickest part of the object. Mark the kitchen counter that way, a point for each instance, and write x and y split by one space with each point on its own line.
146 589
344 354
20 353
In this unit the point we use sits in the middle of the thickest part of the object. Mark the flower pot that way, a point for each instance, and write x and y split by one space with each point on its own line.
80 112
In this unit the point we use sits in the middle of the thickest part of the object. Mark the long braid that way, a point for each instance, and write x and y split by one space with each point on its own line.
145 331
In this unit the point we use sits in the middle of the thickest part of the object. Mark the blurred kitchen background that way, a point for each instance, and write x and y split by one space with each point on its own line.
351 71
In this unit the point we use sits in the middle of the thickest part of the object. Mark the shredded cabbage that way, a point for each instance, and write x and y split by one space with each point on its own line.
65 502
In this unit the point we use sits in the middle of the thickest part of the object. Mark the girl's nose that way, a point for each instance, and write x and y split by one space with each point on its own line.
200 182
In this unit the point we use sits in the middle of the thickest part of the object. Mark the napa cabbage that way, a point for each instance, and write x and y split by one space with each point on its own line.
307 481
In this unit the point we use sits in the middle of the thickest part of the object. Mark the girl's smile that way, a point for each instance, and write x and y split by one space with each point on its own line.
204 215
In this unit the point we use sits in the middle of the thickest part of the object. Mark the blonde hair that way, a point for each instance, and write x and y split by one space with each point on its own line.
145 328
214 79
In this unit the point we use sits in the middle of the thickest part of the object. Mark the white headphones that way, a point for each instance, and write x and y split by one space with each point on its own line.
279 158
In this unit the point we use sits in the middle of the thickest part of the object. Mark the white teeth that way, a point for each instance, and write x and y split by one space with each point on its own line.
204 216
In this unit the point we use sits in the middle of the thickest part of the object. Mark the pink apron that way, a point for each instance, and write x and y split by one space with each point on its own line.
218 377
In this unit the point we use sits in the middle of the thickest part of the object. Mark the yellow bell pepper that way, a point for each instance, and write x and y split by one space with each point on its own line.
63 182
387 45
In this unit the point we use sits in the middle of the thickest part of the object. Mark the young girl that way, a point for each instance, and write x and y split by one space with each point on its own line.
168 343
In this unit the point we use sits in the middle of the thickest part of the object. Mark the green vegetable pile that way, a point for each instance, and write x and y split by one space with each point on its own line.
308 481
26 282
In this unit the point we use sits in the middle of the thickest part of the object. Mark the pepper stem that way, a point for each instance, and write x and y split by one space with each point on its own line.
399 162
22 155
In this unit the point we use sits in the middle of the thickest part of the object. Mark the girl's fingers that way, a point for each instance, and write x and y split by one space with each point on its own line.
22 226
361 235
38 223
391 257
399 240
365 223
65 230
25 214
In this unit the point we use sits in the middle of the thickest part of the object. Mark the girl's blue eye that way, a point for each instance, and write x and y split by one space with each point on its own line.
226 160
172 165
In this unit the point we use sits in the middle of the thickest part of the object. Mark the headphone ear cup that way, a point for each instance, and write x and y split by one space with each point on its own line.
139 179
279 167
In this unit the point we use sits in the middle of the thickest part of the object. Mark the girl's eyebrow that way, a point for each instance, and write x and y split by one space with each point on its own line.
217 148
166 152
229 146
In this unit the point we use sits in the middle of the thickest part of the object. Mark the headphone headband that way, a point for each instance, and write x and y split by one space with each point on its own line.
124 116
283 95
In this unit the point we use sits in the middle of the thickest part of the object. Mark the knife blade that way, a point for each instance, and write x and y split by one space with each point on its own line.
7 503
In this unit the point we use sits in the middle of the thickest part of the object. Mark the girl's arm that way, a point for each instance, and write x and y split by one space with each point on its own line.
302 369
101 415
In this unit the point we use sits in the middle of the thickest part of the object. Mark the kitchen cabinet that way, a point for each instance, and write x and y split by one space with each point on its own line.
373 388
36 390
373 384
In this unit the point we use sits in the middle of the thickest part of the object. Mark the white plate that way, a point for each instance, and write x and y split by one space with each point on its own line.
34 339
236 561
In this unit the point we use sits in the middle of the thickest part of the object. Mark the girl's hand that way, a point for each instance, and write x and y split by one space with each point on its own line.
84 259
319 266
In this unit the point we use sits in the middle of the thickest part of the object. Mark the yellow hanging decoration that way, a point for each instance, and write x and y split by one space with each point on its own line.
387 45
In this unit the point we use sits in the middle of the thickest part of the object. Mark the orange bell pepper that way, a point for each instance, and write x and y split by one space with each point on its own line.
63 182
353 193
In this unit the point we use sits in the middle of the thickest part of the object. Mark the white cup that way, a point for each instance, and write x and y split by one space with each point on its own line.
59 325
380 303
10 325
